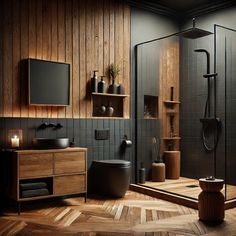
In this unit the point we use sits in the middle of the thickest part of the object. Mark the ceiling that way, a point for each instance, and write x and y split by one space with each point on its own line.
182 5
182 9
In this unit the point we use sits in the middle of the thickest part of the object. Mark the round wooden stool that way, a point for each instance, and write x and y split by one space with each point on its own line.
211 200
172 162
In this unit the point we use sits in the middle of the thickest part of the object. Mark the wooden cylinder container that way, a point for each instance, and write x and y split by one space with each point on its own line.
172 162
158 172
211 200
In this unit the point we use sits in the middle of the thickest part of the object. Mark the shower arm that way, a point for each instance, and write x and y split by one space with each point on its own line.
208 80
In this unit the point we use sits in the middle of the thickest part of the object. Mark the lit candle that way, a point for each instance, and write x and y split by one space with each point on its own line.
15 142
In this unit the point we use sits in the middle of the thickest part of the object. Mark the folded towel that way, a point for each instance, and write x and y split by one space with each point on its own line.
34 185
34 193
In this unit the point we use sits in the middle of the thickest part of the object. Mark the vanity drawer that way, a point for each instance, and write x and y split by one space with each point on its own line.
69 162
69 184
34 165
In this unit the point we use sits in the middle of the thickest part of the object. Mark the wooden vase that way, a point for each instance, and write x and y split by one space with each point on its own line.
158 172
172 162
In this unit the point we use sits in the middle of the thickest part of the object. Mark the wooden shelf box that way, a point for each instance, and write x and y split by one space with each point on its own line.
106 99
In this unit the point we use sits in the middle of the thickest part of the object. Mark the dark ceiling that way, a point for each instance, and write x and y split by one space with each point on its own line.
182 9
182 5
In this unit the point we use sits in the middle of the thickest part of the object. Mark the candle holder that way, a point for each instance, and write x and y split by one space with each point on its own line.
15 138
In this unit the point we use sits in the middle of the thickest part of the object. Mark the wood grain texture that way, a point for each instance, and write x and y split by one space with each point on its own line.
135 214
70 162
33 165
172 162
169 77
69 184
89 35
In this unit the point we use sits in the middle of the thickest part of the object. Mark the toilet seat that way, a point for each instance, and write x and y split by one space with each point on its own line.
112 163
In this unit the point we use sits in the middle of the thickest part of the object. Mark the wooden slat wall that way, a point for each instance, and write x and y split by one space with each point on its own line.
88 34
169 77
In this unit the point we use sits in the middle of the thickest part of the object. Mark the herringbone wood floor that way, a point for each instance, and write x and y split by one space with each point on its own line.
135 214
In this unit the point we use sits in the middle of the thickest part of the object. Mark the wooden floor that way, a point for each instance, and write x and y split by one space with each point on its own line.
135 214
186 187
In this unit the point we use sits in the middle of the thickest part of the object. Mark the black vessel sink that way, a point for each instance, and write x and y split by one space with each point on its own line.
48 143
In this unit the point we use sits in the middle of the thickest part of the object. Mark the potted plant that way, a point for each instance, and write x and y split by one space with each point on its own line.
113 71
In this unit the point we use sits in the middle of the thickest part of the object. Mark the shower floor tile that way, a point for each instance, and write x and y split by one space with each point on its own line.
186 187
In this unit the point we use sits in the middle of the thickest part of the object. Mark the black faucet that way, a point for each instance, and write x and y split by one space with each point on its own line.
50 125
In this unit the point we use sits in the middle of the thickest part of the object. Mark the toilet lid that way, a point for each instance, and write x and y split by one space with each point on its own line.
114 163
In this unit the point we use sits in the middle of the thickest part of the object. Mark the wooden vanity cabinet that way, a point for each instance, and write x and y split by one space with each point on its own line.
63 170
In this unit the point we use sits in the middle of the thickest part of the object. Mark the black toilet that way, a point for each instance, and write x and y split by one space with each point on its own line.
111 178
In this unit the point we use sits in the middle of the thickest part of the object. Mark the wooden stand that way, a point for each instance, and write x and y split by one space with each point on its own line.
211 200
158 172
172 161
63 170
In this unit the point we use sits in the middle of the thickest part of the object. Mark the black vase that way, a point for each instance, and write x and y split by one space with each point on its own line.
112 88
120 89
142 175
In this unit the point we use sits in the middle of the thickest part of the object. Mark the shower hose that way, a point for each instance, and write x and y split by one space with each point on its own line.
204 139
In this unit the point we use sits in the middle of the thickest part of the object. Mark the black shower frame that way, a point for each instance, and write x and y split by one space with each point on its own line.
225 105
215 108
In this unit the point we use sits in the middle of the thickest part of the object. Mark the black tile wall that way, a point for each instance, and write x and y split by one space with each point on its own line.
195 161
84 134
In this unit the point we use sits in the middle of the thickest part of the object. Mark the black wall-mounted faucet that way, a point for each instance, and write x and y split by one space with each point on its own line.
50 125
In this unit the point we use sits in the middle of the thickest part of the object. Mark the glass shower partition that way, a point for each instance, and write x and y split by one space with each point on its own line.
147 104
225 66
158 62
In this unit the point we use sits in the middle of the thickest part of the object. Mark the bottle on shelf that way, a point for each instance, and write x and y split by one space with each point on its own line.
94 82
102 85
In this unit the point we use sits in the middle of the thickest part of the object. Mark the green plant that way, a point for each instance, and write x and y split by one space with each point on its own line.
113 70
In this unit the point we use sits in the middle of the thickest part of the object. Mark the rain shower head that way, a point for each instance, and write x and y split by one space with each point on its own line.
194 33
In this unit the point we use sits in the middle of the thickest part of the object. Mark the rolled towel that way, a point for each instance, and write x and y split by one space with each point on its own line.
33 185
34 192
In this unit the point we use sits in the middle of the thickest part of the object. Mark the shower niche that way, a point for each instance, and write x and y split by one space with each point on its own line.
150 107
175 80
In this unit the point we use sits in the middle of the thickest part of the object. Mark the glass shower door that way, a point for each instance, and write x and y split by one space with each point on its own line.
225 66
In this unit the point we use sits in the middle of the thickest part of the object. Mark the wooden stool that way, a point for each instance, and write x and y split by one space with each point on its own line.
211 200
172 162
158 172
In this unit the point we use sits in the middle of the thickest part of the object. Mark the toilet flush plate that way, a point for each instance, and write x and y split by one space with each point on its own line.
102 134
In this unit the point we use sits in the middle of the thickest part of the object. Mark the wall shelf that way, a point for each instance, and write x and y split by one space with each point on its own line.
171 138
102 103
171 102
110 95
